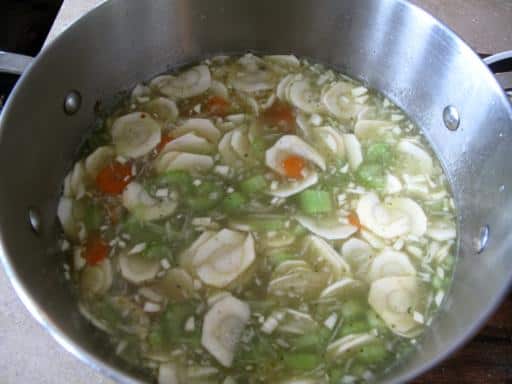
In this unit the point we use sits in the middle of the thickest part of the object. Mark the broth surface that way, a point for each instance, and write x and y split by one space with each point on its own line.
258 220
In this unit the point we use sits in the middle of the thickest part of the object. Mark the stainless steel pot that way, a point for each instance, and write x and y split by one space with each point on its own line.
389 44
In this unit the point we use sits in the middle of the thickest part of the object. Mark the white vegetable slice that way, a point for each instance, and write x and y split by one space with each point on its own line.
353 150
137 269
339 348
329 229
65 215
219 89
189 142
442 231
344 288
222 328
228 154
390 263
143 206
393 184
176 285
135 134
304 96
372 129
338 100
187 256
224 257
74 182
358 254
140 91
330 141
240 143
97 160
190 83
394 299
296 322
282 87
162 109
201 127
285 60
416 159
96 279
324 257
185 161
292 187
168 374
252 81
291 145
396 217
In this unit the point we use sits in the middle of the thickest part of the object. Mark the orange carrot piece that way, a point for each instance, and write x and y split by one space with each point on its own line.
113 179
96 250
293 166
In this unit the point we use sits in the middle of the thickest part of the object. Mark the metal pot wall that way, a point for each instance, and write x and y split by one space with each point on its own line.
389 44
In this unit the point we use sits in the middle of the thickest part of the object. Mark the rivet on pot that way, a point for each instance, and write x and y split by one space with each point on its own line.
34 219
72 102
451 118
482 239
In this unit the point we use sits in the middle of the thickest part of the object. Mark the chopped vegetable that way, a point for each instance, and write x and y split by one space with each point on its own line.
113 179
315 201
301 361
96 250
234 202
166 138
293 166
281 115
354 220
253 184
217 106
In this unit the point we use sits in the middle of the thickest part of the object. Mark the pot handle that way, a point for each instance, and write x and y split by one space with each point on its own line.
504 78
14 63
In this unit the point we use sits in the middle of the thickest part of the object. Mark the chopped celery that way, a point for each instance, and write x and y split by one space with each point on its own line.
371 175
353 309
266 223
180 179
301 361
437 282
354 327
253 184
280 256
94 217
143 231
158 251
375 321
314 339
205 196
335 375
258 147
379 153
315 201
372 353
234 202
259 351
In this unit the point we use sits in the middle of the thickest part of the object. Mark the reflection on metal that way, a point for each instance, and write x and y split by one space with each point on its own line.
451 118
72 102
34 219
482 240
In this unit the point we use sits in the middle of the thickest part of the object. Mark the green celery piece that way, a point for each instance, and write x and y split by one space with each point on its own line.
335 375
315 201
353 309
314 339
375 321
277 258
254 184
301 361
143 231
372 353
266 223
258 147
205 196
158 251
260 350
181 179
379 153
93 217
371 175
357 326
234 202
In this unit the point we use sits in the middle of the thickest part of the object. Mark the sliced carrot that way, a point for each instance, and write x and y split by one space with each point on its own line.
293 166
113 179
96 250
166 138
354 220
217 106
282 115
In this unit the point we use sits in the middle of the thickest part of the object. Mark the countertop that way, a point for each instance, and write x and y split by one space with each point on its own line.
29 355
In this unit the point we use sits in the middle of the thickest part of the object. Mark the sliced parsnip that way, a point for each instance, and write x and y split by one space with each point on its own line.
65 215
176 285
343 289
190 83
168 374
137 269
282 87
324 257
184 161
135 134
187 257
329 140
143 206
358 254
75 181
353 151
330 229
372 129
240 143
218 88
284 60
338 349
201 127
162 109
292 187
303 95
442 230
222 328
416 159
394 299
390 263
189 142
339 101
393 184
228 154
291 145
98 160
96 279
139 91
396 217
